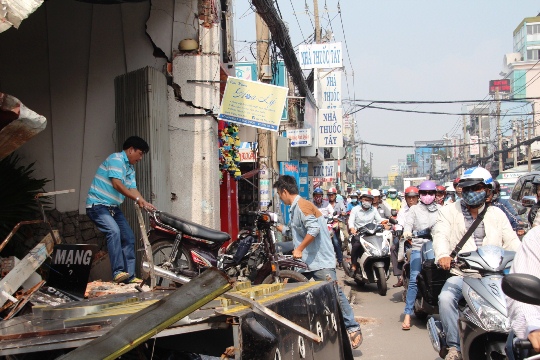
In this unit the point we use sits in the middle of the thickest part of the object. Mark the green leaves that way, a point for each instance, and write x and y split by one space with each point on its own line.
17 190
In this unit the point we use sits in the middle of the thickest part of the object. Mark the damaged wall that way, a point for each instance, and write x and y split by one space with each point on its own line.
62 62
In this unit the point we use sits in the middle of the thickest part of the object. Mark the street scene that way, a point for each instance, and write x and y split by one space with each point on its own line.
269 179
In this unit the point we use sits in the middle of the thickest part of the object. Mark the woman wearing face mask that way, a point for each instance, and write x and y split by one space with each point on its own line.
419 218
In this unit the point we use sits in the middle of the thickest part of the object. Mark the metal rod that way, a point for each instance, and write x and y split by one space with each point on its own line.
6 240
147 246
166 274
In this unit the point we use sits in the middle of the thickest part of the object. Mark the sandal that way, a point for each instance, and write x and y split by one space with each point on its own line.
356 338
405 326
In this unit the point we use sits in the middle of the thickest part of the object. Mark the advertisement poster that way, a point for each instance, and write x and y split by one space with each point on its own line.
291 168
253 103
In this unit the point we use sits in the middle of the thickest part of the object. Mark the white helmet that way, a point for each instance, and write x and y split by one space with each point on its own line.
476 175
450 188
392 190
375 192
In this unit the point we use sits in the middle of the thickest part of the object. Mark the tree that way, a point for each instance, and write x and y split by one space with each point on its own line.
377 183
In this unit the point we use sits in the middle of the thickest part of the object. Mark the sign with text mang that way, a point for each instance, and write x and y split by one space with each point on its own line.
253 103
330 128
320 56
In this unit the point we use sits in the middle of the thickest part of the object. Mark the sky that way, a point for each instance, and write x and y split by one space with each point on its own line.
405 50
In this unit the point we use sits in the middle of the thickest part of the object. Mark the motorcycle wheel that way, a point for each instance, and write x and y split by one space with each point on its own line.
420 314
381 282
161 250
286 276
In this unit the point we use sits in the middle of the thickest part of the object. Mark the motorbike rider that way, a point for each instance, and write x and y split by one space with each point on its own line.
338 207
525 318
451 225
381 206
420 217
457 187
450 195
354 201
440 195
411 199
534 209
320 203
505 206
361 216
392 199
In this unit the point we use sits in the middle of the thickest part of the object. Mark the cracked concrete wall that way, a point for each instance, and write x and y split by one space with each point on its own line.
193 140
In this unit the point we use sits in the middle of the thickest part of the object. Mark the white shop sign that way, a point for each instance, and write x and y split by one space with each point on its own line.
325 171
299 137
320 56
329 90
330 128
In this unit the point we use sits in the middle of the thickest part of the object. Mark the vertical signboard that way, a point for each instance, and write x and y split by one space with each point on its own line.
330 128
329 96
474 147
265 188
291 168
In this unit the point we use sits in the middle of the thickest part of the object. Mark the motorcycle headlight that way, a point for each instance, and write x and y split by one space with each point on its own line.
491 319
370 249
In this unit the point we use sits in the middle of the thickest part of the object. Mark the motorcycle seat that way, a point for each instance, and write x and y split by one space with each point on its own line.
191 229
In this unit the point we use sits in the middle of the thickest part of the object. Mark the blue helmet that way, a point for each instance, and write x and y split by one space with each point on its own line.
318 191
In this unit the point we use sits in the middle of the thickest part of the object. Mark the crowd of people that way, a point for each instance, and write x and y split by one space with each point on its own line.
445 215
442 215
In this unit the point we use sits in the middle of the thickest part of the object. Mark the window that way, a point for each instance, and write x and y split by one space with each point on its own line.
533 54
528 189
517 189
533 29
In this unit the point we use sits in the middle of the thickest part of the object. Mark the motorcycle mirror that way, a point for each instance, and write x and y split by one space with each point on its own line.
393 212
522 211
522 287
393 221
528 201
335 213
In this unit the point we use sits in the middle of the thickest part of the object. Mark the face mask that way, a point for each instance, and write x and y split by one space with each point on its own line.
473 198
426 198
354 201
366 204
392 195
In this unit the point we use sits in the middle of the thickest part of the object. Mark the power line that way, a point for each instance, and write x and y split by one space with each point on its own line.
439 101
425 112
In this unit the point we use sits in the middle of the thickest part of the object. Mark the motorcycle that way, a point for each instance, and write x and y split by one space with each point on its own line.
483 323
255 257
424 304
374 263
181 249
526 289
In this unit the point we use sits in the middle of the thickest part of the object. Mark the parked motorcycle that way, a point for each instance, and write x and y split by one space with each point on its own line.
526 289
254 256
483 323
181 248
374 263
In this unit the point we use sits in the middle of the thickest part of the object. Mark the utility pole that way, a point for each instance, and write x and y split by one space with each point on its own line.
501 165
514 141
370 169
317 24
529 136
465 147
361 161
267 161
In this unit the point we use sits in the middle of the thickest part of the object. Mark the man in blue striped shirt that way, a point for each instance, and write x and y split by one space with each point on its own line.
113 182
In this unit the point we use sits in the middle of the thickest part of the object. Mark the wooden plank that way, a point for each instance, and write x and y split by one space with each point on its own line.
26 267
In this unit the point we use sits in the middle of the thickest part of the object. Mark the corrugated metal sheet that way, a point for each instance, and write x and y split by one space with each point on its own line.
142 110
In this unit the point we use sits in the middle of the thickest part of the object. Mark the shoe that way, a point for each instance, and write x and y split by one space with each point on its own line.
121 277
356 338
453 354
405 326
399 283
340 265
135 280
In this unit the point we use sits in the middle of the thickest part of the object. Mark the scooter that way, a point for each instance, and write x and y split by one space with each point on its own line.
526 289
374 262
483 322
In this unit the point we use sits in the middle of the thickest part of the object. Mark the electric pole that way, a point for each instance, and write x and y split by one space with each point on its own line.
267 161
514 141
529 136
501 165
465 147
370 169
